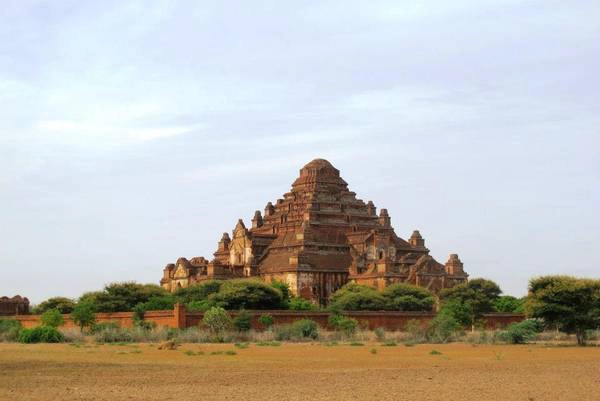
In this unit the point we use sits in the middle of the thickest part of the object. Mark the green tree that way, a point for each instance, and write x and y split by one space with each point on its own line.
569 303
243 321
355 297
83 314
406 297
64 305
218 321
52 318
198 292
297 303
266 320
123 297
477 296
509 304
247 294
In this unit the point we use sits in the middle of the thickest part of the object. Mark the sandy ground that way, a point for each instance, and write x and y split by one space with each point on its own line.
299 372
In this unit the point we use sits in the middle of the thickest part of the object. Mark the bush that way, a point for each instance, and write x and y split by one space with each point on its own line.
355 297
243 321
218 321
301 304
247 294
379 333
286 294
10 330
305 329
521 332
266 321
64 305
415 333
41 334
98 327
52 318
163 302
200 306
200 292
113 335
406 297
343 324
83 314
442 328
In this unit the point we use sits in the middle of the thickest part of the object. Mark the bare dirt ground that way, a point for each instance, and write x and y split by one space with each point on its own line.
299 372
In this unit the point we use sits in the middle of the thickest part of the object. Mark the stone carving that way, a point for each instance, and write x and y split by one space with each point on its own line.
317 238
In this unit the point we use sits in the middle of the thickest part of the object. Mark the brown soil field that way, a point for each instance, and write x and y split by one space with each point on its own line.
298 372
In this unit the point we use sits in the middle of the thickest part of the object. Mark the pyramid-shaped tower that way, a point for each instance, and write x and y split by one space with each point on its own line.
317 238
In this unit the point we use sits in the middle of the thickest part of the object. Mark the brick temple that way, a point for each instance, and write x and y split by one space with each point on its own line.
316 239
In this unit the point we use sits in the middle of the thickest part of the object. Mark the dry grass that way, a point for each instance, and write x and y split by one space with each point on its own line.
308 371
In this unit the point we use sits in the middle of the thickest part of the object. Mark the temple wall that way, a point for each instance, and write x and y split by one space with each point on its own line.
180 318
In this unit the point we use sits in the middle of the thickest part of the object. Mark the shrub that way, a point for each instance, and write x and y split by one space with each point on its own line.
200 292
305 329
83 314
442 328
10 330
283 332
243 321
41 334
162 302
521 332
218 321
266 320
113 335
415 333
379 333
98 327
200 306
356 297
286 294
343 324
297 303
406 297
64 305
52 318
247 294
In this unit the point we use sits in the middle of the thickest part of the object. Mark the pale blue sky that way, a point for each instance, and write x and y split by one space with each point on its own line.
135 132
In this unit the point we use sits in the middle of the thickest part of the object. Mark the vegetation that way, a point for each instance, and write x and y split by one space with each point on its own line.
83 314
266 321
123 297
52 318
10 330
301 304
343 324
199 292
443 328
243 321
247 294
406 297
305 329
63 304
521 332
41 334
509 304
218 321
569 303
469 301
398 297
355 297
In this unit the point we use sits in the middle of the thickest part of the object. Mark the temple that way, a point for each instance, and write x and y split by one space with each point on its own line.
317 238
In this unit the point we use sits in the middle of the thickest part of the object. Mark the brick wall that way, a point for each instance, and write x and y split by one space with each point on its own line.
180 318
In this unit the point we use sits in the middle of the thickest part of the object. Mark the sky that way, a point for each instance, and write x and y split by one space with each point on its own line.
136 132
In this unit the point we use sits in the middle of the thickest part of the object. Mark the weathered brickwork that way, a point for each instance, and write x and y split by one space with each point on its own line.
317 238
16 305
